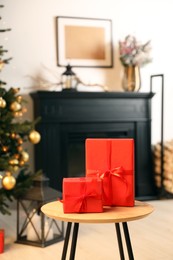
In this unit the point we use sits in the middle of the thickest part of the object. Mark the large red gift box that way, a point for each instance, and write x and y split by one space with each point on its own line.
113 161
82 195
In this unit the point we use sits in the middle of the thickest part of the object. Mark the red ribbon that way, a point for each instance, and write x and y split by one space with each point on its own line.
117 172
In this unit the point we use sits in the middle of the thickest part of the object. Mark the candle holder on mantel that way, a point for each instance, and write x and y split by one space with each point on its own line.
68 79
33 227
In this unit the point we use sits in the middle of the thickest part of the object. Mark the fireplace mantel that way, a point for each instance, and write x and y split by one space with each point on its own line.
69 117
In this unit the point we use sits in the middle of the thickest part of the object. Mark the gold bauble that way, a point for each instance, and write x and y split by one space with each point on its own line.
15 168
19 148
5 149
15 90
1 64
16 156
2 102
21 162
25 156
15 106
13 135
13 162
8 181
19 98
20 141
24 110
34 137
18 114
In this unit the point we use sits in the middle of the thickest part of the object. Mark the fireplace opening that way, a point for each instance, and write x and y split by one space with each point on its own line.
75 150
76 160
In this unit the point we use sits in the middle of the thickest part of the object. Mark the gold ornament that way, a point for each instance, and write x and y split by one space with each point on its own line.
20 141
19 148
24 110
34 137
21 162
16 156
18 114
8 181
25 156
19 99
13 135
15 168
2 103
1 64
13 162
15 90
5 149
15 106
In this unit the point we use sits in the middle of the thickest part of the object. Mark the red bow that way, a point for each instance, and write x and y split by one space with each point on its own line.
106 180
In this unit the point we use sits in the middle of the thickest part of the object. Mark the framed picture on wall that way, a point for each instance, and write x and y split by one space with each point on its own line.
84 42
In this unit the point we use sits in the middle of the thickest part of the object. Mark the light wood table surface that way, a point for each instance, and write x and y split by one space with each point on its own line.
109 215
115 215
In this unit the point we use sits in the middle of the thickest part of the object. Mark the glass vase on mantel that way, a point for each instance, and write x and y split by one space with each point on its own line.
131 81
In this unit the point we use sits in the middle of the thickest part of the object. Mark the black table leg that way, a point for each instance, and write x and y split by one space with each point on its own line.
74 241
66 241
120 244
128 242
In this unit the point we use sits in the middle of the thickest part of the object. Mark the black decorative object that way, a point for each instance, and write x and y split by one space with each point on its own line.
33 227
162 124
68 79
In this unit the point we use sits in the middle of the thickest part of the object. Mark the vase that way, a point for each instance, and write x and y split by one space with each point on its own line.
131 78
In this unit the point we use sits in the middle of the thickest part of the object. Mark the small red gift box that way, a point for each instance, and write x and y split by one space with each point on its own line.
1 241
82 195
113 161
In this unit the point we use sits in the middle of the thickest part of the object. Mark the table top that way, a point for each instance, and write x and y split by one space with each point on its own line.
109 215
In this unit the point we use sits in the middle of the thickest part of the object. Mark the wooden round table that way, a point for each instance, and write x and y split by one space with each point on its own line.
115 215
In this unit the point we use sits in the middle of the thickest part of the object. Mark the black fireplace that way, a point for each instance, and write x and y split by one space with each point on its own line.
68 118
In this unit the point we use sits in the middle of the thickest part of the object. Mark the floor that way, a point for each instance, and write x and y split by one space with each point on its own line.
152 239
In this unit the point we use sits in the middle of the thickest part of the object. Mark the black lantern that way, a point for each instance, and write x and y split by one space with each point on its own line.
33 227
69 79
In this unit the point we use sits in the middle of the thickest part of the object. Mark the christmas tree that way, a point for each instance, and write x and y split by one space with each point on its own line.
14 132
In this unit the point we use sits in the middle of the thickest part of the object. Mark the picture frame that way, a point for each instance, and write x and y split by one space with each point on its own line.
84 42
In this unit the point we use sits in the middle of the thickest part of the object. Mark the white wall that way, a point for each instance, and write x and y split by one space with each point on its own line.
32 45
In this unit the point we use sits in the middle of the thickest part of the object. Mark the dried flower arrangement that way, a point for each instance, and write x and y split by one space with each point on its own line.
133 53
